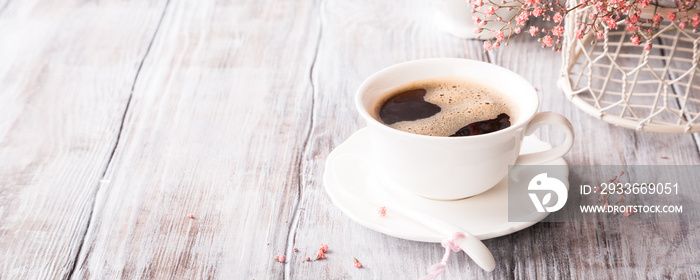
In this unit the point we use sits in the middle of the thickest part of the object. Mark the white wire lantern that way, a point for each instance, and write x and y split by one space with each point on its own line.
654 90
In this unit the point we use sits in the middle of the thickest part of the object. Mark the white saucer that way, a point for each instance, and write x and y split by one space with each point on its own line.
349 167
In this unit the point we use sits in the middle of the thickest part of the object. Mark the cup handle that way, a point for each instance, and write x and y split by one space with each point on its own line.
542 119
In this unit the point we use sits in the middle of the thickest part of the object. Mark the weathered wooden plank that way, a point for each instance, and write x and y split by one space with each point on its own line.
234 111
66 70
358 39
543 251
216 127
602 250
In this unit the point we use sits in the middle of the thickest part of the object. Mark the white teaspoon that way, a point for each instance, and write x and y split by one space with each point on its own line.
471 245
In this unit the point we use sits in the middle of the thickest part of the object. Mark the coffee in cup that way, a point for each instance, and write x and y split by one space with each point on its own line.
445 106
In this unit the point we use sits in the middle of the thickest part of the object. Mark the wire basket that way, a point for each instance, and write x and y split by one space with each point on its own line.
654 90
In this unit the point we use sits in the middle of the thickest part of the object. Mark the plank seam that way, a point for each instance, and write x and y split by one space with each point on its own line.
291 235
71 272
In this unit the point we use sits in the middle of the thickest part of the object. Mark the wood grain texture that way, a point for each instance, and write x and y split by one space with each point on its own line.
119 119
361 38
66 71
216 125
600 250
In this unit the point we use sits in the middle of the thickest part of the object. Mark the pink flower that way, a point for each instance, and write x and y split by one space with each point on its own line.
522 18
644 3
518 30
682 25
479 2
477 30
558 31
487 45
579 34
612 23
557 18
537 11
657 18
476 19
547 41
600 34
533 30
635 40
490 11
671 16
647 47
382 210
628 211
280 258
633 18
624 8
320 255
323 247
357 263
696 20
599 5
592 16
499 35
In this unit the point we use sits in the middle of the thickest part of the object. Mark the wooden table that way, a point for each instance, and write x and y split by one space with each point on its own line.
119 119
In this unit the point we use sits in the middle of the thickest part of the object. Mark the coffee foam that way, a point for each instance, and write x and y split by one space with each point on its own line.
462 101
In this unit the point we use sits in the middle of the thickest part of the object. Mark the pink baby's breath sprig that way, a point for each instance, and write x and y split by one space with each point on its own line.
602 14
382 211
357 263
320 255
616 190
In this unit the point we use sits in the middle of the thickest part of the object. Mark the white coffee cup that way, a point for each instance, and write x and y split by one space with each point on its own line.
448 168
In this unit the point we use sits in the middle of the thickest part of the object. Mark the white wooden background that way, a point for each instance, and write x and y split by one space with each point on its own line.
118 119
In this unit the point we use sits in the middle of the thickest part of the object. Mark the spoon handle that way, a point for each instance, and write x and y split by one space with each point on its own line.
471 245
477 251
